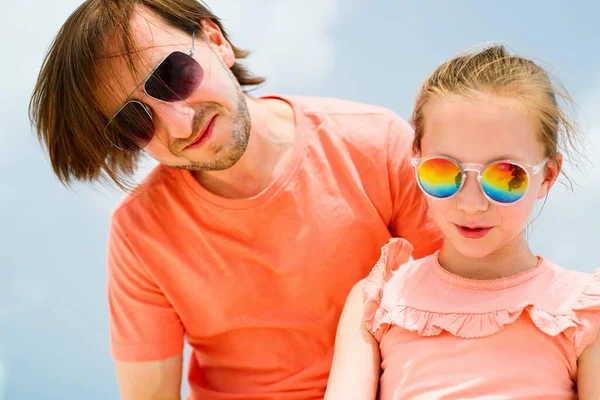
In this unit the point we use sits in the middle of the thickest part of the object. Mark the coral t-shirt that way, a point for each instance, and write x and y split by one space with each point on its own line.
257 285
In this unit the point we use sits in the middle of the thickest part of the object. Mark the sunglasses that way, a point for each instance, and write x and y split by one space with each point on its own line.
502 182
174 79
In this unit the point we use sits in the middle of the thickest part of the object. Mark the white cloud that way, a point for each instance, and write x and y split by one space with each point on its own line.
290 40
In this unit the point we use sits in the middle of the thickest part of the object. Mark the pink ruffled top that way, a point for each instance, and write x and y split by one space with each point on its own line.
442 336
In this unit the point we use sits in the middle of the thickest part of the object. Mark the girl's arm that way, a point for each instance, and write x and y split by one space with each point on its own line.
355 370
588 372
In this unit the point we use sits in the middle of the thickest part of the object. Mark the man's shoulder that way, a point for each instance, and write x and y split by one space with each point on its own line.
148 194
364 125
358 122
335 106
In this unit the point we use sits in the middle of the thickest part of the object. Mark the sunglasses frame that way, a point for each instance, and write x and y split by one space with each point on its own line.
530 170
143 84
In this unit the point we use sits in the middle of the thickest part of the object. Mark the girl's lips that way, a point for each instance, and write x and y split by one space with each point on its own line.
473 232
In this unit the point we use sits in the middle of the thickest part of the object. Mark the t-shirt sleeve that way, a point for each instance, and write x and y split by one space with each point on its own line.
587 314
143 324
411 219
394 254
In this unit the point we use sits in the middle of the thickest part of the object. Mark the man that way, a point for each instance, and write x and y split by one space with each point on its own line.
260 217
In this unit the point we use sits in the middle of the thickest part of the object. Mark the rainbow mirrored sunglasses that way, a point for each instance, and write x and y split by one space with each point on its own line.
503 182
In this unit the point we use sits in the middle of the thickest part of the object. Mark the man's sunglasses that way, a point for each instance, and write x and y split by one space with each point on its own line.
174 79
502 182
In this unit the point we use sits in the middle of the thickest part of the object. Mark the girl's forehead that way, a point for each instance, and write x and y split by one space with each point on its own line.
480 129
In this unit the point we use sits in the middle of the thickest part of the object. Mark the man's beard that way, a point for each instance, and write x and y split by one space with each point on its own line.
226 155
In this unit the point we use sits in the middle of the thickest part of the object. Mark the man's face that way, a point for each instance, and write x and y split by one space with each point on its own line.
207 131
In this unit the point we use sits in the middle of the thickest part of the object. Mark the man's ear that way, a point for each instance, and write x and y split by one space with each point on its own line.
212 33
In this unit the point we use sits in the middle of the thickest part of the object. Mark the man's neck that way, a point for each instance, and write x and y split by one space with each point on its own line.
269 146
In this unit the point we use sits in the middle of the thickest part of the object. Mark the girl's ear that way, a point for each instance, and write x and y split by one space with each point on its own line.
551 174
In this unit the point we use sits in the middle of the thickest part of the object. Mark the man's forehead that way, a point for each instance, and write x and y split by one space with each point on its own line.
147 31
116 81
122 69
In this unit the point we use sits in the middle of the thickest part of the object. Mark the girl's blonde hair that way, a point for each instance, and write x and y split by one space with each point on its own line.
493 70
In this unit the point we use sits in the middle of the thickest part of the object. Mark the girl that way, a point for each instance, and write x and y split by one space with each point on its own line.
483 317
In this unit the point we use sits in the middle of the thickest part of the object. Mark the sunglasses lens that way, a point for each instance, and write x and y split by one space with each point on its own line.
504 182
132 128
175 78
439 177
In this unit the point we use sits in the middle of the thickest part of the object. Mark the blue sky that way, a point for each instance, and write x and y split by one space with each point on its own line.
53 311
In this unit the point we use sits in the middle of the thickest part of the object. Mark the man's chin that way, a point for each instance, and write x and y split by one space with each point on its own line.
221 164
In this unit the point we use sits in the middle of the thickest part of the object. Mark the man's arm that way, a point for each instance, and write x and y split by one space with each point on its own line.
588 372
355 370
146 332
152 380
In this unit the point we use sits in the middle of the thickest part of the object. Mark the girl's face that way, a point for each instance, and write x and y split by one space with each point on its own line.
482 129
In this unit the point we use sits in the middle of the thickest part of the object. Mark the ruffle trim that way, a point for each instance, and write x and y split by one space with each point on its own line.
581 325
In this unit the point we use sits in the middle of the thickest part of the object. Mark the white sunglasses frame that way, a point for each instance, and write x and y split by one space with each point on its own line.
478 168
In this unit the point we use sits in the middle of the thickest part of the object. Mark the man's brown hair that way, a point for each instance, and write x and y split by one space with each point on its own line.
64 107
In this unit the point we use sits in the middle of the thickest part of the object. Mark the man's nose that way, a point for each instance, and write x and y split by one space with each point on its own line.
173 119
